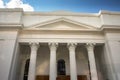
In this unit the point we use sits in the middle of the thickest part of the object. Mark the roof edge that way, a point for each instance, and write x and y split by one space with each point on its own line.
11 9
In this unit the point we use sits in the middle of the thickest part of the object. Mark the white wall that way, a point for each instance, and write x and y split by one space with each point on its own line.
7 46
113 45
109 18
10 16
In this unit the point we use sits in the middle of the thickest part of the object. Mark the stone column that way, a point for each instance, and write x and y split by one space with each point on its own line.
91 57
53 69
73 72
33 55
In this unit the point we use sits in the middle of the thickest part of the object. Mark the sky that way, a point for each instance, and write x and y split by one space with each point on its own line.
58 5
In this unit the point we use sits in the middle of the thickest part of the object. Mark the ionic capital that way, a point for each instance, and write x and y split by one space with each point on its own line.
90 46
34 46
53 45
71 45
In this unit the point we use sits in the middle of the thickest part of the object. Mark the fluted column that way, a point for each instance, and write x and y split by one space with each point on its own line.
91 57
73 71
33 55
53 69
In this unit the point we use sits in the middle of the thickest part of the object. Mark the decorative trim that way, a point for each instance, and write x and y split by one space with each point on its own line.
61 19
109 12
110 27
34 45
53 44
90 46
11 25
62 13
11 9
71 46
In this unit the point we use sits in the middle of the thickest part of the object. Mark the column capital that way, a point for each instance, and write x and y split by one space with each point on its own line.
53 45
34 45
90 46
71 45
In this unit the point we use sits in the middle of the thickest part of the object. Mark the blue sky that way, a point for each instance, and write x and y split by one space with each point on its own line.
73 5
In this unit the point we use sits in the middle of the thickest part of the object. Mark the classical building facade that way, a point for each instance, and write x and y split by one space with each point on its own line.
59 45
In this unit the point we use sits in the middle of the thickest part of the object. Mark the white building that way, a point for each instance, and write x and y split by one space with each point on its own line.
87 45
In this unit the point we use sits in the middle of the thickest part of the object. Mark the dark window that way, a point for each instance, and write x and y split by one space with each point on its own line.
26 69
61 67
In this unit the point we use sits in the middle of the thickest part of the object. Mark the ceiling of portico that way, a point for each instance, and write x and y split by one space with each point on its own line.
62 24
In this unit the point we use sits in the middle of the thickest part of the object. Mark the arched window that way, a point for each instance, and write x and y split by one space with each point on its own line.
26 69
61 67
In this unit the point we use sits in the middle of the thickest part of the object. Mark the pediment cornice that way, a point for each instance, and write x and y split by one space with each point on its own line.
62 13
62 20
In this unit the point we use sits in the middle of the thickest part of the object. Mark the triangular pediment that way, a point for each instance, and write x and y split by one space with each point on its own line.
62 24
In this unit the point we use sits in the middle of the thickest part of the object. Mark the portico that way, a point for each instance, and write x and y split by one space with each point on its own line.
53 48
61 39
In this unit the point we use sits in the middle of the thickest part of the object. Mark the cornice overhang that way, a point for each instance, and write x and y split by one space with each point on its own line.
45 30
11 25
11 10
103 27
110 27
61 13
108 12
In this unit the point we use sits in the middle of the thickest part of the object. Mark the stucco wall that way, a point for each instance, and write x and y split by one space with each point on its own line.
7 46
113 42
110 18
11 16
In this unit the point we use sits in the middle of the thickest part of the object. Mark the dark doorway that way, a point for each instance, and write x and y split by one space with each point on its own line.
26 69
61 67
